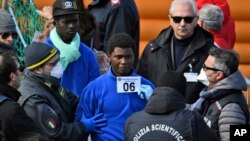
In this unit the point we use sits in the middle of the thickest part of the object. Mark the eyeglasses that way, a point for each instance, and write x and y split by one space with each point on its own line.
6 35
178 19
205 68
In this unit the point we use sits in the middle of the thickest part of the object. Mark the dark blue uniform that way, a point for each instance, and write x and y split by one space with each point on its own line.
115 16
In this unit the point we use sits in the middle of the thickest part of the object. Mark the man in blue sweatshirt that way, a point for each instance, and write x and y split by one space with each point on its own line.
117 94
78 60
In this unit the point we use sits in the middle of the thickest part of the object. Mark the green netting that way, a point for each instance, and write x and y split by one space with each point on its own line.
28 21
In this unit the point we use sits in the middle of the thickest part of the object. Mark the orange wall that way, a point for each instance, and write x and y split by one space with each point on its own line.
154 17
41 3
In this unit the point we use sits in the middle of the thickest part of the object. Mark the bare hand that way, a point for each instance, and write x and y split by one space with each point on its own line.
46 12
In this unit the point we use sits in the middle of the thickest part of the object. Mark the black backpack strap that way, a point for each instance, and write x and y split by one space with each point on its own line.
234 98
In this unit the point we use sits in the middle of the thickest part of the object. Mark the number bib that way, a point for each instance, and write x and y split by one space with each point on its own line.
128 84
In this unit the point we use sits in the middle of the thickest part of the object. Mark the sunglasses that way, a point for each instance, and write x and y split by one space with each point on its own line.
205 68
6 35
178 19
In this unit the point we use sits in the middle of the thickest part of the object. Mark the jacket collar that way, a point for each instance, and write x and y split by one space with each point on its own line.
49 81
111 73
9 92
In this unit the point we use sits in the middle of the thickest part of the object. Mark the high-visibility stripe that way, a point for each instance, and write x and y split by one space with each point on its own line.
52 53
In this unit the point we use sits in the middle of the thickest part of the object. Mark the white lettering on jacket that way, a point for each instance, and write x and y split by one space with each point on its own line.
158 127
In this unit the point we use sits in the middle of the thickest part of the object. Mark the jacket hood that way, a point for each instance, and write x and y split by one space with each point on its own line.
234 81
164 100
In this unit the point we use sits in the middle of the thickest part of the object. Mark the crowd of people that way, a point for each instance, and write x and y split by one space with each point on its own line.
185 86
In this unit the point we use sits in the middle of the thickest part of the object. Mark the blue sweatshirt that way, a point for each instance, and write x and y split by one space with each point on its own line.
80 72
101 96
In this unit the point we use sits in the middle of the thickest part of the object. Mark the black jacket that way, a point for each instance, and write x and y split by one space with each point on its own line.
164 118
113 18
51 107
14 122
157 59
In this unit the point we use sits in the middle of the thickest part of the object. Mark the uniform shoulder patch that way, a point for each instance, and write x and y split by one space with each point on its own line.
48 120
51 123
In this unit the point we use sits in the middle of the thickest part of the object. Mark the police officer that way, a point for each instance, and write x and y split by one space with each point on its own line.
51 106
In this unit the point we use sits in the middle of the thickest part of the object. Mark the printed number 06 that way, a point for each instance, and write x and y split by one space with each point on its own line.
127 86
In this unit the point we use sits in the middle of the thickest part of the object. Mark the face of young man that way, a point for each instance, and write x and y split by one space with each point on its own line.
122 61
183 20
67 26
8 38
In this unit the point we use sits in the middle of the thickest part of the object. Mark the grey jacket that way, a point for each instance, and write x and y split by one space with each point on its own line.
232 113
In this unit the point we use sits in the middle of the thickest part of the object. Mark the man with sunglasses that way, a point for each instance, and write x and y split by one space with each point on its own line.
222 102
7 28
182 47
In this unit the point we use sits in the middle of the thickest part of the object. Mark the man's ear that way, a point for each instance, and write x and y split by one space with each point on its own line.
220 75
12 76
169 16
200 23
108 54
38 70
54 22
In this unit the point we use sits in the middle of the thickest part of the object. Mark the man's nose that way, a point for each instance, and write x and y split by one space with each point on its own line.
124 60
182 22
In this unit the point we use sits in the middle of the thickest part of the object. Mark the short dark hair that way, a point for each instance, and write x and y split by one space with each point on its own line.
225 60
121 40
7 66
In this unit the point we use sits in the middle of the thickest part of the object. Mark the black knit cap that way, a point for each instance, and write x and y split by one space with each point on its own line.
64 7
174 80
37 54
